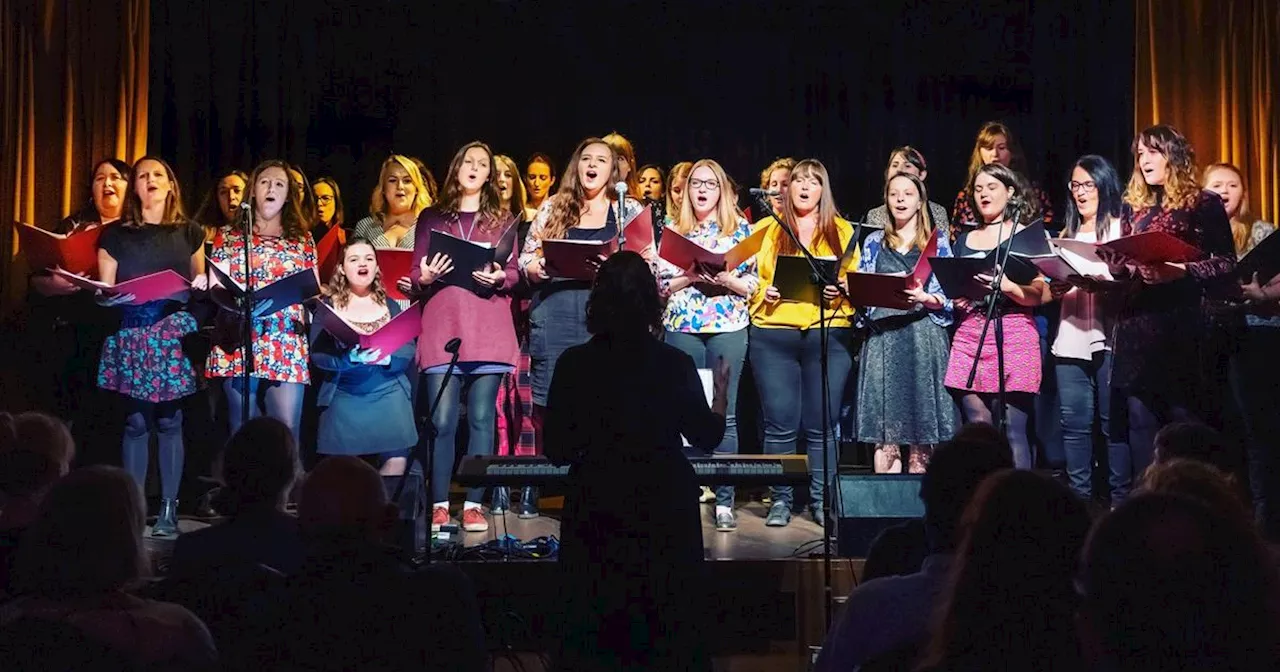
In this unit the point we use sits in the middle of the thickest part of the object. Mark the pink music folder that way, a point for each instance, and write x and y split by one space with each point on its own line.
684 253
394 263
639 231
388 338
145 289
885 289
76 251
575 259
1155 247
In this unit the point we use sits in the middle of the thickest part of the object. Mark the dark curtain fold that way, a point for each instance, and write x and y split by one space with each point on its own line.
1212 69
338 84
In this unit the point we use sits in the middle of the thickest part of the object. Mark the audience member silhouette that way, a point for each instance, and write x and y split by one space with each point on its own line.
35 451
354 604
70 577
1169 585
886 622
260 465
631 556
1011 592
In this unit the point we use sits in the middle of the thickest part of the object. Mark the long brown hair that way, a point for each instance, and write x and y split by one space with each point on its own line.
924 223
338 210
490 216
566 204
726 208
173 211
292 220
826 225
622 148
339 288
1019 191
986 140
519 199
1241 227
1181 188
209 213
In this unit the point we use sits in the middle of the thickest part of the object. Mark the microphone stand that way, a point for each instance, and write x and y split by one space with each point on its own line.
427 427
994 296
820 278
246 326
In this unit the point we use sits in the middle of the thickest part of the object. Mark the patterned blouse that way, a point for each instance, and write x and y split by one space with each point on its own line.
692 311
1257 233
280 340
867 264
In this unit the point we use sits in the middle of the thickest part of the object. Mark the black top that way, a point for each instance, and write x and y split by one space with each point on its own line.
147 249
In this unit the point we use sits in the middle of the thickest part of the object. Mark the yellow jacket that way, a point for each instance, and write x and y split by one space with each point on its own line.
799 314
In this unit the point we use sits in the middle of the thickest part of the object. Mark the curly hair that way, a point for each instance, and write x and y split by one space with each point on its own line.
292 219
1015 183
566 204
1181 188
624 300
339 288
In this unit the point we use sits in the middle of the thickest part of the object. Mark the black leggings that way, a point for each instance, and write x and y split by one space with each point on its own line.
164 419
978 407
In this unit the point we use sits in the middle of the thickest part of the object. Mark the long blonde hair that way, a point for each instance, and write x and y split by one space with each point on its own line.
1181 188
339 288
826 225
567 202
726 213
924 223
421 199
1240 225
680 171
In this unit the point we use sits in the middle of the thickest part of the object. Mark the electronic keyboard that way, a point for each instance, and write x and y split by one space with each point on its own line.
477 471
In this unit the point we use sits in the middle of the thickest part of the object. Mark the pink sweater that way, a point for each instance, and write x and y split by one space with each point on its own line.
484 324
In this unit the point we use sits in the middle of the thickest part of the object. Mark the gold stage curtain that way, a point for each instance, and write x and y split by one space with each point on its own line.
75 78
1212 69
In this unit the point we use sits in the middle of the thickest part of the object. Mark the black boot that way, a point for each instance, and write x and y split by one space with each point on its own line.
166 526
501 501
410 533
528 503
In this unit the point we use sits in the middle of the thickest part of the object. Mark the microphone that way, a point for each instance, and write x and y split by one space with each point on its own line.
244 205
621 189
452 346
768 193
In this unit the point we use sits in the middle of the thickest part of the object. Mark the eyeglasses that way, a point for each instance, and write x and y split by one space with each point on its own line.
324 199
710 184
1086 187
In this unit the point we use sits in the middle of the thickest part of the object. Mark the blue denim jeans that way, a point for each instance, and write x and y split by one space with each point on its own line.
707 350
787 367
482 412
1085 402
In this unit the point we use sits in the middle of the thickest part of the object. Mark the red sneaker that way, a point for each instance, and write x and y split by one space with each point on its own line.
439 516
473 520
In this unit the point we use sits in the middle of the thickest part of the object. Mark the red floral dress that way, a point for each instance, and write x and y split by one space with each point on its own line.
280 346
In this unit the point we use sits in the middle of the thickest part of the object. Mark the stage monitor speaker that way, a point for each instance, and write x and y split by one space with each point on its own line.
870 503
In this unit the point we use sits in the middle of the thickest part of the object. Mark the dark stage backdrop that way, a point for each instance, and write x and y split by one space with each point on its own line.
337 84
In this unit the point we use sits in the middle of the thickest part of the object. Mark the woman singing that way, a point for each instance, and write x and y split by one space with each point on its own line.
221 206
399 197
994 187
470 209
329 211
539 179
144 361
1255 376
901 399
583 209
67 328
995 144
785 341
675 189
634 587
1162 333
511 190
280 246
360 385
1082 349
775 177
706 316
626 154
909 160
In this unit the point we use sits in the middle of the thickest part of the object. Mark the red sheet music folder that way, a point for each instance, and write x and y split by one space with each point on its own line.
328 251
76 251
1155 247
885 290
639 231
388 338
684 253
574 259
394 263
147 288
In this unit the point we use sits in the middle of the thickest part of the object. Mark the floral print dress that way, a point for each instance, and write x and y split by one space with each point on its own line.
280 345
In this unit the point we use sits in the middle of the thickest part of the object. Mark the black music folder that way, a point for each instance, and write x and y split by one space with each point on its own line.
287 291
466 257
1263 259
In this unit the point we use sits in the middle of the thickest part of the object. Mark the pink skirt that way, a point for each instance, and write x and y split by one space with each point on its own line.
1021 355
